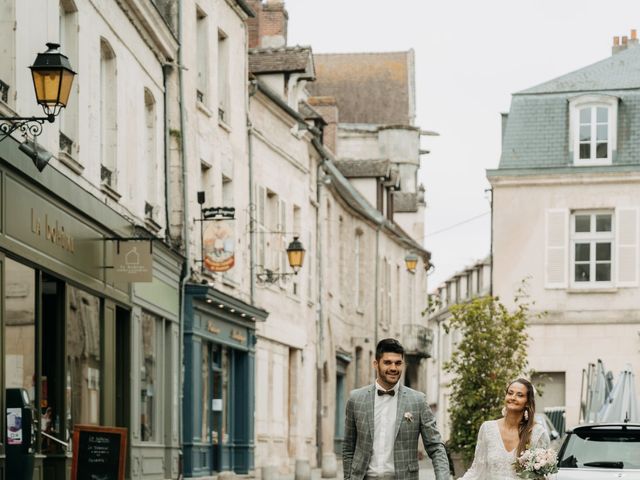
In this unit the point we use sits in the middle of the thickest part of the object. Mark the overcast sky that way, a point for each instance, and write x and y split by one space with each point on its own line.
470 56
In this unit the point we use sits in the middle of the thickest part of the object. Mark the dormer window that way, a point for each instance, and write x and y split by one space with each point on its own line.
593 129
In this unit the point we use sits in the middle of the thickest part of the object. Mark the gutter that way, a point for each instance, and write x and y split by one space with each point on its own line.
166 70
186 272
246 8
360 204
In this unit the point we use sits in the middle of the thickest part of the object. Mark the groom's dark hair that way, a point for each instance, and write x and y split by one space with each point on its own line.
390 345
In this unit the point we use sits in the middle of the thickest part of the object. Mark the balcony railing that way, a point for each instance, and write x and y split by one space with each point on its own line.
418 340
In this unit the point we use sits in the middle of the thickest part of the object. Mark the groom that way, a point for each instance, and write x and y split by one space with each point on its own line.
383 422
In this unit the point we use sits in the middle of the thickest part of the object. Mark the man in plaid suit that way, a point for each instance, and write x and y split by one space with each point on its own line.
383 422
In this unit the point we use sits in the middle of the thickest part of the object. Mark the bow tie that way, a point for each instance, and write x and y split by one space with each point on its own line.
391 392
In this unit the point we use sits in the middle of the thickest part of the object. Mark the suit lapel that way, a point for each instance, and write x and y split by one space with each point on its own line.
369 408
401 408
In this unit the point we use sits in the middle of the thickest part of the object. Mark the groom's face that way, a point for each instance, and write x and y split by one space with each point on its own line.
389 368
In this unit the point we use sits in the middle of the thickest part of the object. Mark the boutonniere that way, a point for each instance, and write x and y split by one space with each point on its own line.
408 416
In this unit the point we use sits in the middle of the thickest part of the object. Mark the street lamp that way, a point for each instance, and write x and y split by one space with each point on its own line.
295 255
52 80
411 261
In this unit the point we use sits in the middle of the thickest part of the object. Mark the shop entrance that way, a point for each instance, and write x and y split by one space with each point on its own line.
54 351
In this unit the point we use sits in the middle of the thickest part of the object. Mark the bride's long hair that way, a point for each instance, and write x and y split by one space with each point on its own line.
525 428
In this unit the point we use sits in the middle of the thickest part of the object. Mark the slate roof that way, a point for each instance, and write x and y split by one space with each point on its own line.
364 168
617 72
536 135
282 60
372 88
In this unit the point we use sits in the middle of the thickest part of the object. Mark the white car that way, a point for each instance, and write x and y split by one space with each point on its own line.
600 451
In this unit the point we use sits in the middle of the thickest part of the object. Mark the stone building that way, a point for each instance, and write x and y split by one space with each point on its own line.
84 346
565 215
474 281
371 223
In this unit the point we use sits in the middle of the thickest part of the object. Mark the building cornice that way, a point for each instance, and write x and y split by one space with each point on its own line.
564 176
152 28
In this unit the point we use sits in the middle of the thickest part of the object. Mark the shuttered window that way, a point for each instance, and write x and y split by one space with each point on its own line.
592 248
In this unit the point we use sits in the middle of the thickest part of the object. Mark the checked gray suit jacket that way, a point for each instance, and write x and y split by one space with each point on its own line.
358 436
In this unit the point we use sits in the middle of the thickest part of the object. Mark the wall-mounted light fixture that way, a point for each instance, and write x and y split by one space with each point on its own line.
411 261
52 79
295 255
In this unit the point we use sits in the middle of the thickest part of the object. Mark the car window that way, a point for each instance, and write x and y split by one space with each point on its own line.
615 448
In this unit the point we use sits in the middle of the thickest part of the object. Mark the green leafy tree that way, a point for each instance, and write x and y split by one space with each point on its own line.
492 352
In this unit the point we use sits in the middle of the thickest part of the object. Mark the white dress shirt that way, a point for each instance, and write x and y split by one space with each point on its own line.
384 431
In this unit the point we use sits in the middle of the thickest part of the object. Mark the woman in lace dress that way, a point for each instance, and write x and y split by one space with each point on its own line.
500 441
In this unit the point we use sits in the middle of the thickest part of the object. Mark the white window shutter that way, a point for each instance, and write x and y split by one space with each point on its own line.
627 247
556 264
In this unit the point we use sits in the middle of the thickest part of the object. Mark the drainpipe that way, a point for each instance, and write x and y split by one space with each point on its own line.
253 89
185 229
376 316
490 247
166 70
320 314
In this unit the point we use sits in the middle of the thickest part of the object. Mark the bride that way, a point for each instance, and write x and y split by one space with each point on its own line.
501 441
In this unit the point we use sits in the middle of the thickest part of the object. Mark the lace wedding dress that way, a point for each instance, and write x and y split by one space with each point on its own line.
491 460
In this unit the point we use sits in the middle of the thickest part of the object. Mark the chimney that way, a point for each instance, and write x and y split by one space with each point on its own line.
328 108
253 24
273 24
624 42
269 27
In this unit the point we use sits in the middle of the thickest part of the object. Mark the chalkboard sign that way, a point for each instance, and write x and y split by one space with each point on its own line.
99 453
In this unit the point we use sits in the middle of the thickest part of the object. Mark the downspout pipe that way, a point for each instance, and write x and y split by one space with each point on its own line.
253 89
320 313
186 271
166 71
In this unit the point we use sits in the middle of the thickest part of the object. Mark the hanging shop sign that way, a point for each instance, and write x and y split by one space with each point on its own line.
219 245
132 261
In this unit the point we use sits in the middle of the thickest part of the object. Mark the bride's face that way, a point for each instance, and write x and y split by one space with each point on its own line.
516 398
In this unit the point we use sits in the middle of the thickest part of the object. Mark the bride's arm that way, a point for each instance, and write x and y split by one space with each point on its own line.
542 440
478 467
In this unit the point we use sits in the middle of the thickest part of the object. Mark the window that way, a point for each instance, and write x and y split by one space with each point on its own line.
356 270
295 280
151 155
108 110
8 53
223 77
202 57
149 377
69 43
591 247
593 129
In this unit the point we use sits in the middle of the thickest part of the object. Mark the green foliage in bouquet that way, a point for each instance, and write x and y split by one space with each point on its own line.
492 351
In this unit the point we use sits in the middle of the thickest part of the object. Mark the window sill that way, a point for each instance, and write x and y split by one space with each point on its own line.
204 109
110 192
603 162
592 290
224 125
67 160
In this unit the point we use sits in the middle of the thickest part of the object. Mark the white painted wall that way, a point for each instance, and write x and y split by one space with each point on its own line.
581 325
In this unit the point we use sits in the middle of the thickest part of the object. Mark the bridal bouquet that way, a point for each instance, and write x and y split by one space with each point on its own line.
536 463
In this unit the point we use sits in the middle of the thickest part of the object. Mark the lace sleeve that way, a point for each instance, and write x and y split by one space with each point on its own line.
479 465
540 437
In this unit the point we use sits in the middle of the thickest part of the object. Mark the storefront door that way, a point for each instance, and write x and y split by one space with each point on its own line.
53 352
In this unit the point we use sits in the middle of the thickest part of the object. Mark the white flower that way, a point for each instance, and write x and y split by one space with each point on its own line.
408 416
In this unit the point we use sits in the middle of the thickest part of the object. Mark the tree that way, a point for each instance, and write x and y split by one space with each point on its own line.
492 352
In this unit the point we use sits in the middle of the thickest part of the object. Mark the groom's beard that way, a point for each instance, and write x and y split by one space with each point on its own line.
388 378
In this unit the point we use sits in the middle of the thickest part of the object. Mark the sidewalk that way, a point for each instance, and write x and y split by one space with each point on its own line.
425 473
